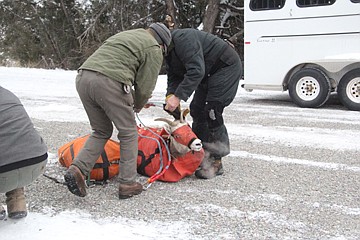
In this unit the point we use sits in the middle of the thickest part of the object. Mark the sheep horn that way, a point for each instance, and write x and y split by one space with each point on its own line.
182 116
172 124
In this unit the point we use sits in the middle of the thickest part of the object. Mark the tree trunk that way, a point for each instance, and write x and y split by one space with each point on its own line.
210 16
171 14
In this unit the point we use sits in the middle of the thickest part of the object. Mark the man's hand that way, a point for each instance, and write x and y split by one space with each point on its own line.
172 102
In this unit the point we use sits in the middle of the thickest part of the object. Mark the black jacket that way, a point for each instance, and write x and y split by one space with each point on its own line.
193 55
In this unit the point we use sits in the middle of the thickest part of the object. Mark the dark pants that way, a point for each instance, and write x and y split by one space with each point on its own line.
216 92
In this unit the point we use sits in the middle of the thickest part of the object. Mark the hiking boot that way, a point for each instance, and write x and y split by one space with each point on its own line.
75 182
214 169
127 190
2 212
16 204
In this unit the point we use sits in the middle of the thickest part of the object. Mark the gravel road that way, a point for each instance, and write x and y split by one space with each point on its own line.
292 173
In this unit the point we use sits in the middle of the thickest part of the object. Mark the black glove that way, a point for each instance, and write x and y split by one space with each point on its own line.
176 113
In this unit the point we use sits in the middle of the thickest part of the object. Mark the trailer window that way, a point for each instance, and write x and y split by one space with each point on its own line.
313 3
256 5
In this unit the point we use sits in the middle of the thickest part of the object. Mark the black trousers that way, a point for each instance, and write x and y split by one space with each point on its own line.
215 93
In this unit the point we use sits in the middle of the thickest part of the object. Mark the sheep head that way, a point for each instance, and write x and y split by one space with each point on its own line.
182 138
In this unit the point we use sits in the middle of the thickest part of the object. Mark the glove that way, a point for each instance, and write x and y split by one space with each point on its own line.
176 113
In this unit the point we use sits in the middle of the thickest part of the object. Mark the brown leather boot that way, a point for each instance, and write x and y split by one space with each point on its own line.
75 182
2 212
127 190
16 204
210 170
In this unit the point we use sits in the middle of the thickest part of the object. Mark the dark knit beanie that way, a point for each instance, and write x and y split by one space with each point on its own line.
163 35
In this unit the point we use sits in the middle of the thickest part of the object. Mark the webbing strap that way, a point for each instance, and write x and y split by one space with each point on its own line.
104 165
162 168
72 151
144 161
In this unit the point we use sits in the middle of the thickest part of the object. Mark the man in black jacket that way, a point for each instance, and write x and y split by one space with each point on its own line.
207 65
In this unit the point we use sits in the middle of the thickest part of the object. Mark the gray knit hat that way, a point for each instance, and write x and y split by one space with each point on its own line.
163 35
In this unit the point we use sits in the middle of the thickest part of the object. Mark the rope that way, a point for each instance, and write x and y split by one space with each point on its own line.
161 170
160 152
88 182
54 179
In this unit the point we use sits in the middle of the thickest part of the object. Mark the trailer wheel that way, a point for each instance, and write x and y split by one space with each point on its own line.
349 90
309 88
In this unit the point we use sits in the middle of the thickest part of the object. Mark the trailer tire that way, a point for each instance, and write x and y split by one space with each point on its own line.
309 88
348 90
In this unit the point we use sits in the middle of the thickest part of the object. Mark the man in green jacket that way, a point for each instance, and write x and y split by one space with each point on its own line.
113 83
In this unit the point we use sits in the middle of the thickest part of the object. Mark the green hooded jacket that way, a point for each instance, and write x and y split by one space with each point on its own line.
131 57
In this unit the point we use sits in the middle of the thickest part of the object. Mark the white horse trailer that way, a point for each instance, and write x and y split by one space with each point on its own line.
308 47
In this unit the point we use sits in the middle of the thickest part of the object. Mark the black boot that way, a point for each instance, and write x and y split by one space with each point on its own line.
210 169
218 144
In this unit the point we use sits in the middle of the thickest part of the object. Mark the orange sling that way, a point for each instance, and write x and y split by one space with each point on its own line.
106 166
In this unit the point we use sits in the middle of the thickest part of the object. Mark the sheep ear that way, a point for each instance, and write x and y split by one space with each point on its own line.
186 112
183 114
